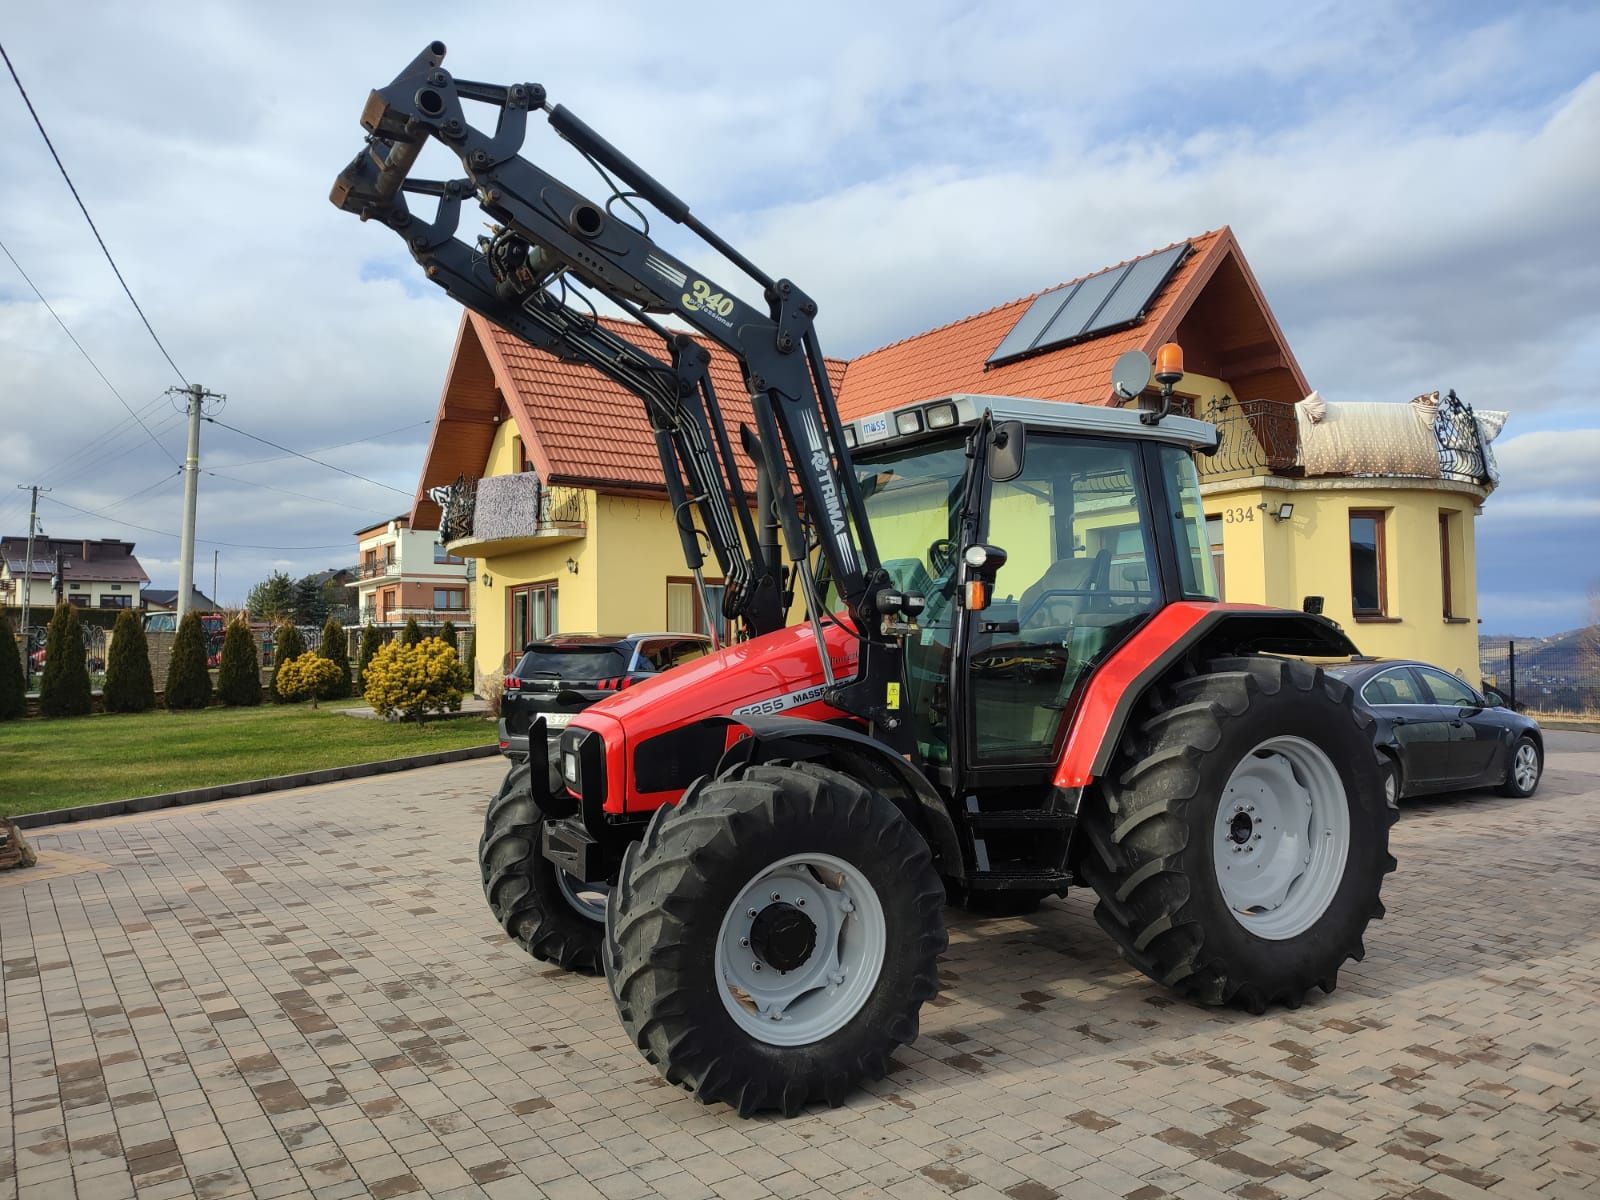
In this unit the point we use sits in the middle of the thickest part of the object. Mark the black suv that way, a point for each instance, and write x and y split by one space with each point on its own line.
567 672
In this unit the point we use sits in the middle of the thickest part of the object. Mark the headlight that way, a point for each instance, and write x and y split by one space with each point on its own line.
569 768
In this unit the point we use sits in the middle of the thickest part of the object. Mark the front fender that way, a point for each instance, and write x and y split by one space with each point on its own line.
864 758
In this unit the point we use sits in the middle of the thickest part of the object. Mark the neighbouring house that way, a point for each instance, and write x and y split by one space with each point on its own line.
166 600
554 490
404 572
95 573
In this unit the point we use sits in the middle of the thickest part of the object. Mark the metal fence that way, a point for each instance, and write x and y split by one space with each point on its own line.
1545 674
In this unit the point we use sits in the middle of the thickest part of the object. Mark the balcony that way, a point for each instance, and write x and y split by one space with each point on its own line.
1254 437
400 614
505 514
378 570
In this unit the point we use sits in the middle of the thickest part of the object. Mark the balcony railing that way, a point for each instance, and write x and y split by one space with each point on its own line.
378 570
399 615
1254 437
508 508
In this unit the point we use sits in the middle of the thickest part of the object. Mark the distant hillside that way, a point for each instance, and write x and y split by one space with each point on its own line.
1562 671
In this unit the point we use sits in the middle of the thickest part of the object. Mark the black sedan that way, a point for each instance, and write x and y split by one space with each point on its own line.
1441 735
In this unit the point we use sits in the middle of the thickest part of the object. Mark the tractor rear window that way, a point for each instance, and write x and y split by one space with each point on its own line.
574 662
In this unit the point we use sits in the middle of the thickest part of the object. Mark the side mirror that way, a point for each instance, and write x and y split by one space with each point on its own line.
1008 448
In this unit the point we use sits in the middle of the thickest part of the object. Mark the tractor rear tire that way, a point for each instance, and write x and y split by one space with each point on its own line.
1242 835
554 919
773 936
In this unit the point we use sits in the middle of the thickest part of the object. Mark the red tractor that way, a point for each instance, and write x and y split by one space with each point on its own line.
1012 676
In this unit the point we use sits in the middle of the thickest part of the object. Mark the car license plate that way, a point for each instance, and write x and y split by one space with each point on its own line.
556 720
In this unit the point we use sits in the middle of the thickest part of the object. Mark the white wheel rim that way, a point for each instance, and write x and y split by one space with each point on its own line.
1281 838
801 999
1526 767
588 899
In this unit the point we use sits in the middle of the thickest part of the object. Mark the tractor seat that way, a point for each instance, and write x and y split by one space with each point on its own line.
1072 575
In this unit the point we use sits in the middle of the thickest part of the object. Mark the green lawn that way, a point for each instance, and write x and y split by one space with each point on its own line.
83 760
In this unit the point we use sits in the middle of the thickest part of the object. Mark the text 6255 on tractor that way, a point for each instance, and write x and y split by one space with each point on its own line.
1012 675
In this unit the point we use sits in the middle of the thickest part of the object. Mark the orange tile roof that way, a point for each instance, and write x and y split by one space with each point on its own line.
951 358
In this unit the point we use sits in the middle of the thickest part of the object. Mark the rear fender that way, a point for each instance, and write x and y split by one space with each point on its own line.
861 757
1188 632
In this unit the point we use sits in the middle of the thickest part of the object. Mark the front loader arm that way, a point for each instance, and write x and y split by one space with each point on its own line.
551 236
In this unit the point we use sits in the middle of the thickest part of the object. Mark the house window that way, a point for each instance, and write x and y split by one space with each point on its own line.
1368 571
75 586
116 587
441 555
685 614
450 598
1214 540
532 613
116 601
1450 561
78 601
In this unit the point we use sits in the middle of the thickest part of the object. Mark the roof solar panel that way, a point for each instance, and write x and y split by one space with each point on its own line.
1138 287
1108 300
1028 327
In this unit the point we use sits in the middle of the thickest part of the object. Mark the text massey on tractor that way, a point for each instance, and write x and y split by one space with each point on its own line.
756 847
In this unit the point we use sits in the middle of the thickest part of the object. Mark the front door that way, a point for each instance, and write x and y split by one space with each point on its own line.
533 615
1473 741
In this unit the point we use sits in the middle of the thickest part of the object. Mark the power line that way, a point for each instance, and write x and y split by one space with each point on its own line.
308 458
82 208
89 512
82 351
376 437
286 492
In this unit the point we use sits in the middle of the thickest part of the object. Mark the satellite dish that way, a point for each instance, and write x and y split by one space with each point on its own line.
1131 375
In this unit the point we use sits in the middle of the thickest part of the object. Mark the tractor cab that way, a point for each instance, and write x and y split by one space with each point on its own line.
1099 520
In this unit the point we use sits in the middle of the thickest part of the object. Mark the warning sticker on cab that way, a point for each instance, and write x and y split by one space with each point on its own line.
891 695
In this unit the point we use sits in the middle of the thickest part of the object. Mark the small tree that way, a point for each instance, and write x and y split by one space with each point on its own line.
239 675
129 686
308 677
336 650
64 689
310 605
412 681
447 635
288 644
371 641
13 687
188 681
412 633
272 599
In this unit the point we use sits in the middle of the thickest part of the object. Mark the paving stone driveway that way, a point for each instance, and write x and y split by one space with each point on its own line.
304 995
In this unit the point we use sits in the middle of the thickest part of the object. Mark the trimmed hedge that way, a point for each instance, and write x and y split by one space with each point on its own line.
64 688
239 674
411 635
287 645
447 635
371 642
13 688
335 648
188 681
129 687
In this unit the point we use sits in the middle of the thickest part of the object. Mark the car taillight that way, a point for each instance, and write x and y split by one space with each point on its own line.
513 684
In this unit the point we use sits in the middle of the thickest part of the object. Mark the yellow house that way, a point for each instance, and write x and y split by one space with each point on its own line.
549 474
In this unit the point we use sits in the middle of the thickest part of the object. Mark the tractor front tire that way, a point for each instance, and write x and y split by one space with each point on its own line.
773 936
557 920
1242 835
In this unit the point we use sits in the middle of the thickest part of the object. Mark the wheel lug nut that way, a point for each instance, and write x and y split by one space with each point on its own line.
775 895
801 901
749 912
755 966
744 941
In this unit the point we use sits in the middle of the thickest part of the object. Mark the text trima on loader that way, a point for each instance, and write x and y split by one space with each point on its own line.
1013 676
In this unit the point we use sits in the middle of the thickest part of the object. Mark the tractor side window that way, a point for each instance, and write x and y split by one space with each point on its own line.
1189 524
1078 578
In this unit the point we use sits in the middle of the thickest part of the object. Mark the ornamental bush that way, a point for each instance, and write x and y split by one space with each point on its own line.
287 644
64 689
447 635
239 674
412 633
129 686
188 681
412 681
371 640
13 687
336 649
308 676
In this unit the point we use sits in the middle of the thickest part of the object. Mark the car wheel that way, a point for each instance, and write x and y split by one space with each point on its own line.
1527 766
1392 784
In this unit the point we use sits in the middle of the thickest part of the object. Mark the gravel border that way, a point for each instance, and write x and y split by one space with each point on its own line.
249 787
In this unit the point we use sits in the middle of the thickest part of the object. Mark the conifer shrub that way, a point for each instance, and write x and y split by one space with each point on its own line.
13 686
412 681
129 686
447 635
287 644
64 689
308 677
188 681
239 675
412 634
335 648
371 640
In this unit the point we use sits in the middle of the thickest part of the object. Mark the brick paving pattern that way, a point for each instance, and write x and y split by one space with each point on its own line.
304 995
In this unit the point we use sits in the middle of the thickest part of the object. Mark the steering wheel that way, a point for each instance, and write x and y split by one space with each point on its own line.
941 556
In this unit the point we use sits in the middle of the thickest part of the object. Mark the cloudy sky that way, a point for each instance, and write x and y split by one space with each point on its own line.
1414 184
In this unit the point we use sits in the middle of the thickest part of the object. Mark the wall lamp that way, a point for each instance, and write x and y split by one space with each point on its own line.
488 579
572 566
1283 513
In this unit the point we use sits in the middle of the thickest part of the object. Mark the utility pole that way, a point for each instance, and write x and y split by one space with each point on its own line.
215 556
27 577
196 396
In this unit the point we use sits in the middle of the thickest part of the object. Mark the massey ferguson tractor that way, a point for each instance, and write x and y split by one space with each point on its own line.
1010 674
